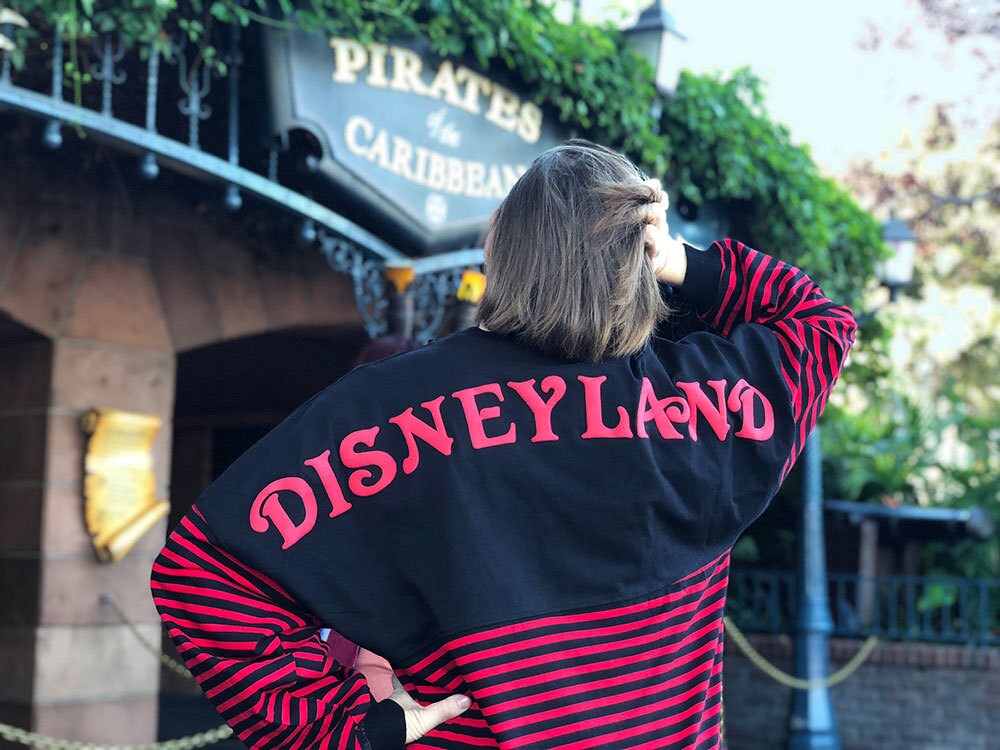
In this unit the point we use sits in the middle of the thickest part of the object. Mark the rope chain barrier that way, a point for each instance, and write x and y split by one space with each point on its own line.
223 732
33 739
798 683
190 742
172 664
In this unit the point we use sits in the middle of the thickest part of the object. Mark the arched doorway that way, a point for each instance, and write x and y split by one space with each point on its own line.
228 396
25 378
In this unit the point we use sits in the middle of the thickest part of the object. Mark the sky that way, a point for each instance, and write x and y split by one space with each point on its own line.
844 101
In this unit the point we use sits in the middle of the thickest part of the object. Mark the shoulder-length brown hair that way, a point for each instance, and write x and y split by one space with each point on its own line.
565 257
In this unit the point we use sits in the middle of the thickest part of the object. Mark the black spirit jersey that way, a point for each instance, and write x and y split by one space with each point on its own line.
550 538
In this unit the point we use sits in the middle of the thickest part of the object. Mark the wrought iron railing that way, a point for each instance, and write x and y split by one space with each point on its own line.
173 112
904 608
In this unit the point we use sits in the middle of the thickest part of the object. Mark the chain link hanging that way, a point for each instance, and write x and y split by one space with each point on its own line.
797 683
201 739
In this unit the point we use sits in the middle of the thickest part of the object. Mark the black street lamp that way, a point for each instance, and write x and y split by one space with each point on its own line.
812 724
896 271
650 38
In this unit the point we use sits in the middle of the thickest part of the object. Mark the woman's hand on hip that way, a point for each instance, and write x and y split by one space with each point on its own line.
422 719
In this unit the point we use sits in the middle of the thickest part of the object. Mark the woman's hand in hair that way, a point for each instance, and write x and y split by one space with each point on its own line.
665 252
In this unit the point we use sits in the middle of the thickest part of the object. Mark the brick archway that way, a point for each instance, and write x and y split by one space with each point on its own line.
108 288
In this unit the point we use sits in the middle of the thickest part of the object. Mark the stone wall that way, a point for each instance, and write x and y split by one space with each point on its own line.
907 696
103 280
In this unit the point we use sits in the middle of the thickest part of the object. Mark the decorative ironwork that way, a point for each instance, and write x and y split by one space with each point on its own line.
148 168
435 287
431 295
349 248
234 60
307 232
272 164
5 30
368 275
433 290
53 131
105 72
196 84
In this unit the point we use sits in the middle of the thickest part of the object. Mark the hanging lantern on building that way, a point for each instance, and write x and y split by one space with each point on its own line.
470 293
400 275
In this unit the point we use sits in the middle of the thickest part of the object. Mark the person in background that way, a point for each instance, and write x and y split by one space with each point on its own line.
530 519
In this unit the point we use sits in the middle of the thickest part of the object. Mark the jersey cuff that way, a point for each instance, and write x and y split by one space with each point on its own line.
701 280
384 727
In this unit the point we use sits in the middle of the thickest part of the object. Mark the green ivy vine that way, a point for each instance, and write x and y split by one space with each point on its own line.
713 140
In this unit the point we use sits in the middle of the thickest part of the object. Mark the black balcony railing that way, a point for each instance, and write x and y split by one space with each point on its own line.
902 608
174 113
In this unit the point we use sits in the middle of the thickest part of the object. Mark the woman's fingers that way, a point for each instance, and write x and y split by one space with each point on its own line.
651 238
422 719
655 214
655 184
662 196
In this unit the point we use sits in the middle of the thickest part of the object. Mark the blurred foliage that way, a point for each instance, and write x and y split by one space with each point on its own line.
726 148
959 18
931 433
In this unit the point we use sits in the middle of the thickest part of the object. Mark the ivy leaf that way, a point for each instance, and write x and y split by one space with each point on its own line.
485 48
221 12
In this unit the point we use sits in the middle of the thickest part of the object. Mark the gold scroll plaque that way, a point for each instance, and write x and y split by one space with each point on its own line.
119 487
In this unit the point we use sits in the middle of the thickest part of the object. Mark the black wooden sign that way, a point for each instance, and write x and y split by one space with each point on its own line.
423 149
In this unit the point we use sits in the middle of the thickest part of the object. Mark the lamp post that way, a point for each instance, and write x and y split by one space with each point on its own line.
650 38
896 271
812 724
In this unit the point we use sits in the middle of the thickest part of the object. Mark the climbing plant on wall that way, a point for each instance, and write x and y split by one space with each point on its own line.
713 140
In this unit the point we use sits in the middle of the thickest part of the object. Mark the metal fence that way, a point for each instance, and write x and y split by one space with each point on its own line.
902 608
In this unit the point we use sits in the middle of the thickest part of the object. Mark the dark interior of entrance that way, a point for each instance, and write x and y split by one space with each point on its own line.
229 395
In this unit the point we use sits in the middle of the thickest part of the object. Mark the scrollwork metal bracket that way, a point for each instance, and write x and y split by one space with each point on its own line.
368 275
432 294
433 289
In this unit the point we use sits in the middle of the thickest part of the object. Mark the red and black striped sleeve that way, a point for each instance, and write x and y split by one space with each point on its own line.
258 656
731 284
